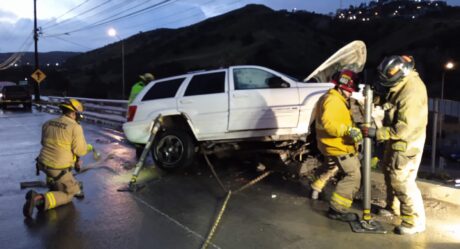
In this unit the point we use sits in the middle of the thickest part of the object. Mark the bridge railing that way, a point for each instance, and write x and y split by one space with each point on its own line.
101 111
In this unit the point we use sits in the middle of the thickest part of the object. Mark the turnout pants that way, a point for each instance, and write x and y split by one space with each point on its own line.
63 187
400 170
348 186
328 170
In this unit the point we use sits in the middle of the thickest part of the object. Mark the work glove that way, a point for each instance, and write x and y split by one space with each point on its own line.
382 134
374 162
96 155
78 164
368 131
355 134
90 147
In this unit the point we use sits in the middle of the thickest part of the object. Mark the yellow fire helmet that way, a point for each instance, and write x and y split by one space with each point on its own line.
75 106
147 77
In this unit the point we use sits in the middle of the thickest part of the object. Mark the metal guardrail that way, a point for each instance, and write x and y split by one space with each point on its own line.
100 111
113 112
446 107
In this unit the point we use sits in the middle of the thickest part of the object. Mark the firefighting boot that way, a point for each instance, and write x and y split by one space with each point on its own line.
33 199
336 215
81 194
405 229
314 195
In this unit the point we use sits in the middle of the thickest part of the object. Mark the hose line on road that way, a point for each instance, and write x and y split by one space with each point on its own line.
227 198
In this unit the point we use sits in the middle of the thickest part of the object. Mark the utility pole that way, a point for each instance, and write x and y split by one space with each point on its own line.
36 85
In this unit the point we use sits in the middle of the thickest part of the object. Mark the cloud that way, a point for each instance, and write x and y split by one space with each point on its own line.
7 16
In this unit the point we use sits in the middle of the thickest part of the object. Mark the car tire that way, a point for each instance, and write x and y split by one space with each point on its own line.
173 149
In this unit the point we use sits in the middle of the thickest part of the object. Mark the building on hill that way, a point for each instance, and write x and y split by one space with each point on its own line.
408 9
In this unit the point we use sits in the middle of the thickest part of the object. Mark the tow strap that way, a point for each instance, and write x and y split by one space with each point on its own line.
227 198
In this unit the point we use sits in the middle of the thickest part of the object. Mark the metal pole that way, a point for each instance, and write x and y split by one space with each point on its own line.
434 135
36 85
123 68
367 154
441 104
441 107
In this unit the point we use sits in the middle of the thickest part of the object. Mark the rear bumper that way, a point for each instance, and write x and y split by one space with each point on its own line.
15 101
137 132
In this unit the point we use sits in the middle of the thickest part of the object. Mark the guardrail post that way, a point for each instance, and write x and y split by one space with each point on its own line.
434 135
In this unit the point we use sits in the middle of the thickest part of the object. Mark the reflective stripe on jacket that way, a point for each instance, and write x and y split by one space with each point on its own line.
333 118
135 90
407 109
62 140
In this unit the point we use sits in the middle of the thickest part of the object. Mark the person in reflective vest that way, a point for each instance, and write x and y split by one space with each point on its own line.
138 86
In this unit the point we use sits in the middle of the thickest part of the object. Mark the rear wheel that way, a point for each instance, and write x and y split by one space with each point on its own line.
173 149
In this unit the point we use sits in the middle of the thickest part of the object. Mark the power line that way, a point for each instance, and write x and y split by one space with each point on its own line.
117 16
15 57
71 42
169 15
72 9
70 19
188 17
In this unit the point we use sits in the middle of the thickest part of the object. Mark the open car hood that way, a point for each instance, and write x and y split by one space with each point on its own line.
352 56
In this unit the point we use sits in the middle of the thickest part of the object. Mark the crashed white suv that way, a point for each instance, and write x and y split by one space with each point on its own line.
230 105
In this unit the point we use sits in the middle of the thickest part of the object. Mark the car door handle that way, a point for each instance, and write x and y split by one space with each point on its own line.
240 95
186 101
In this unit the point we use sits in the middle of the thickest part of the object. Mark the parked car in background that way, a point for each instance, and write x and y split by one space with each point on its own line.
231 106
15 95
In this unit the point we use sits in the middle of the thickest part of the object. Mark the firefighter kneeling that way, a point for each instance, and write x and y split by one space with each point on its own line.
63 142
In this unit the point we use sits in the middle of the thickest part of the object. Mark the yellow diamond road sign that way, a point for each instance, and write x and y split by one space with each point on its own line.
38 75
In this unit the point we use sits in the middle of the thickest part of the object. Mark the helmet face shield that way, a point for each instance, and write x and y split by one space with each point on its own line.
393 68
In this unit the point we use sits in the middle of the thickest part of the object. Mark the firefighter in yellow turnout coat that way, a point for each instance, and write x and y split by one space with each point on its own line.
337 137
404 132
62 142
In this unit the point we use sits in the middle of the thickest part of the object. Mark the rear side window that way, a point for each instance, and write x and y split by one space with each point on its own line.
164 89
206 84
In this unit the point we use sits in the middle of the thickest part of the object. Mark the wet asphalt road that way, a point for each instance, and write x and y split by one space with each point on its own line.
174 210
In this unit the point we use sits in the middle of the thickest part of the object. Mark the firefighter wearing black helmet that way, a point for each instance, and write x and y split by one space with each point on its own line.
62 142
403 134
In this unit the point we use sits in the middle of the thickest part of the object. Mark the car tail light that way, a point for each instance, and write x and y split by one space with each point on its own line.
131 112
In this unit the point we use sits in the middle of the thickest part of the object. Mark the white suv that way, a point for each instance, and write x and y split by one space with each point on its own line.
234 104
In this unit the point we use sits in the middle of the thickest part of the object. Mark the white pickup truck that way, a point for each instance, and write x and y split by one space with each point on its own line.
231 105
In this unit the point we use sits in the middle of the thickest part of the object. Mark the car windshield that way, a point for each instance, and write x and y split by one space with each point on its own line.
290 77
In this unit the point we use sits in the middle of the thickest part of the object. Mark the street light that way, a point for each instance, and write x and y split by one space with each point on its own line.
448 66
113 33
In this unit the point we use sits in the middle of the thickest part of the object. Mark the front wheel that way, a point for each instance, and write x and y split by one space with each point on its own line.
173 149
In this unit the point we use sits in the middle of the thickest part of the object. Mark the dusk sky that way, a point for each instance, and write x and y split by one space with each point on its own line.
81 25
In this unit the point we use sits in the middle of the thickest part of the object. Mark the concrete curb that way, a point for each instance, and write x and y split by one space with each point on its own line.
429 189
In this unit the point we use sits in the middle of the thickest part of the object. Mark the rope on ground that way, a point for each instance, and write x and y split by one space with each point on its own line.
217 221
227 198
211 167
254 181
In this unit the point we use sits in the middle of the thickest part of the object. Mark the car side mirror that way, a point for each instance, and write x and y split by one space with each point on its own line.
277 82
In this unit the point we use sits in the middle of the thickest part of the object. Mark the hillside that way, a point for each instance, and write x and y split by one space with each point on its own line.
45 58
291 42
